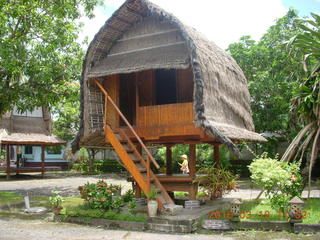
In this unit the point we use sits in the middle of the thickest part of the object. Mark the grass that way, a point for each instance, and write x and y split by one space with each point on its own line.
86 212
10 198
260 210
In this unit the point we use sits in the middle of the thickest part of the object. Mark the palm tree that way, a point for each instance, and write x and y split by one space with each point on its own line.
306 101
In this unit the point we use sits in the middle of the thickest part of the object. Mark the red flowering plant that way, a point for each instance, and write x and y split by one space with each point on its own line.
99 195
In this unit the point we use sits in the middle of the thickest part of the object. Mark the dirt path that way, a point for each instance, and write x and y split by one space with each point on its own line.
38 230
68 185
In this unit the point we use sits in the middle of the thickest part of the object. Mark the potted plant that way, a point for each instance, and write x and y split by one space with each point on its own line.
56 202
152 202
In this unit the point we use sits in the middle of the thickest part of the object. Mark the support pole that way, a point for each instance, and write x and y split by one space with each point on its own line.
192 160
192 171
42 160
216 156
8 161
169 160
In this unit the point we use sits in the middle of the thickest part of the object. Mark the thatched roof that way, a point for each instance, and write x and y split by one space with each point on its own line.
22 130
221 96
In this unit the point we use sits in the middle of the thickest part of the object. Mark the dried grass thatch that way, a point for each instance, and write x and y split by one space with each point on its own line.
19 130
221 97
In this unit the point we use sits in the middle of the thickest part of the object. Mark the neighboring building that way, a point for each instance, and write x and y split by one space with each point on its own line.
28 138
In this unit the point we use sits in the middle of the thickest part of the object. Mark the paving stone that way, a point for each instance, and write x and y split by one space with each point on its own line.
171 209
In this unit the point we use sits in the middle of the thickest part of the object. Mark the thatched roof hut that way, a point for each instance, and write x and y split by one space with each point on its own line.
20 129
221 100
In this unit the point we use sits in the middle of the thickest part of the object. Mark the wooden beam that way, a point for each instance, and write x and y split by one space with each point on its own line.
8 161
216 156
42 160
192 160
147 49
169 160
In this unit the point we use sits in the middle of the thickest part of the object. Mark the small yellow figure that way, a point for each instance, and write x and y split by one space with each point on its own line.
184 165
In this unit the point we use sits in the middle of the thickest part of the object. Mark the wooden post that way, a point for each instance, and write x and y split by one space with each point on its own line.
169 160
8 161
192 171
137 189
137 98
192 160
216 156
42 160
18 155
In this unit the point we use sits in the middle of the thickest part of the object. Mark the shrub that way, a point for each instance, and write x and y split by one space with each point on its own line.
128 196
280 180
216 181
100 195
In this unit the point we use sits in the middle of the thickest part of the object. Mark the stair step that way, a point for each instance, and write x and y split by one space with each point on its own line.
142 169
134 158
121 140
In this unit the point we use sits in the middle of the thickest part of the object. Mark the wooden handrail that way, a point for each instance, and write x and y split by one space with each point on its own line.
126 122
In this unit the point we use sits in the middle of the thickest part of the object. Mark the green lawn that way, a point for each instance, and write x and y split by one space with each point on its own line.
10 198
260 210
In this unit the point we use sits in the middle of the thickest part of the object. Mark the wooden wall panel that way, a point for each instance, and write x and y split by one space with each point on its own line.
111 84
146 86
171 114
185 85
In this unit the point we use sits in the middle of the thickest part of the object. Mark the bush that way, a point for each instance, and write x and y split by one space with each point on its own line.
216 181
280 180
100 195
128 196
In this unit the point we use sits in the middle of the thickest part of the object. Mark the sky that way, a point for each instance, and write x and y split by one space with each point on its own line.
222 21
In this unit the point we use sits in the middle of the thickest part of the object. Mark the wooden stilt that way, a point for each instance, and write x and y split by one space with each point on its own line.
137 190
42 160
18 155
8 161
192 160
192 171
169 160
216 156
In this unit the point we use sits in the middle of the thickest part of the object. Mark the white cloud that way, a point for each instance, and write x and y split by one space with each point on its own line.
222 21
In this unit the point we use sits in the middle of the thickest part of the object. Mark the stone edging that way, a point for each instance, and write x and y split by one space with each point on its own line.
154 224
225 225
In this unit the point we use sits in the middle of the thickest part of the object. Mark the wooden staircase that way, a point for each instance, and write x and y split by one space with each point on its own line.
131 158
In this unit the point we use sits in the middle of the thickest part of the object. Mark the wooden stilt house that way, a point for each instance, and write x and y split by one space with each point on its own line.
149 79
26 130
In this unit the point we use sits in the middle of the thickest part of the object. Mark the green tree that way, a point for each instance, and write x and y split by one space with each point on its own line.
306 101
39 54
66 113
270 73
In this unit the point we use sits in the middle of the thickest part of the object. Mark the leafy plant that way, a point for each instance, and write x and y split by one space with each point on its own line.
100 195
56 200
306 100
281 180
128 196
132 205
152 194
216 181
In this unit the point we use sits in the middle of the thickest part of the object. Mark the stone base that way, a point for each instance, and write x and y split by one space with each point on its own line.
171 209
35 210
192 204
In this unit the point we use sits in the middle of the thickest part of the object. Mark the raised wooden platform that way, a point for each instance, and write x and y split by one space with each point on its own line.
177 182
